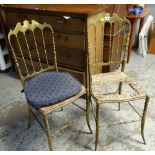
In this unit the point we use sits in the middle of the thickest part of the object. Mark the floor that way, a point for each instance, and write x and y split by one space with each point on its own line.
14 134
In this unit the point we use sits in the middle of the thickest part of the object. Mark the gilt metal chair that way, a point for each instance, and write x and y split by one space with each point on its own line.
45 88
117 30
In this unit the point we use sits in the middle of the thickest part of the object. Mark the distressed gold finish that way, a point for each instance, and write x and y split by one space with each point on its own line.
144 117
48 131
120 90
97 125
31 27
87 111
119 31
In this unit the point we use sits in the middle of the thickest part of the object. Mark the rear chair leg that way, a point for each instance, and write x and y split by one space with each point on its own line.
49 136
97 126
119 106
120 91
87 112
143 118
29 116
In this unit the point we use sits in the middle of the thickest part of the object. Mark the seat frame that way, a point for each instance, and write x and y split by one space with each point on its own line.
45 111
96 65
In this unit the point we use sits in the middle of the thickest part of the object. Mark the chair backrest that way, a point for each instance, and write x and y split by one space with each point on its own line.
108 40
33 48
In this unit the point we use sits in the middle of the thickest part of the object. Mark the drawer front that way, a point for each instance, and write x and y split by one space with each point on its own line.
65 57
65 23
79 75
13 18
61 39
69 41
59 23
72 58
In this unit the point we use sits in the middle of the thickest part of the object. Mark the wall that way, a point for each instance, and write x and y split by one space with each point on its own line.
152 10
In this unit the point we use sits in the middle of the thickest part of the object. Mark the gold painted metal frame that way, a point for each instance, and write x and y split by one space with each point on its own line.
92 42
23 28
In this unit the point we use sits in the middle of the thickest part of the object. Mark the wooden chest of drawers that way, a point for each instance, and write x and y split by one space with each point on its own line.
70 26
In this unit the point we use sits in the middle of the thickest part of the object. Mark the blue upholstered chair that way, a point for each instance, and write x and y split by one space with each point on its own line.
45 88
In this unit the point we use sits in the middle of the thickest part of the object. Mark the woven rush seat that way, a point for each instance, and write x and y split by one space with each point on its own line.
114 87
50 88
100 80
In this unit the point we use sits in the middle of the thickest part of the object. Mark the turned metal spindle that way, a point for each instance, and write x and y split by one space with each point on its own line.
16 61
118 43
20 48
110 43
44 46
102 38
54 50
36 45
95 44
29 52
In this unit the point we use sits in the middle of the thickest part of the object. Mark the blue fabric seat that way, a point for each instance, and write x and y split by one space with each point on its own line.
50 88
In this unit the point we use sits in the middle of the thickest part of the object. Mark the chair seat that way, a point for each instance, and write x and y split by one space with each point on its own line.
50 88
100 80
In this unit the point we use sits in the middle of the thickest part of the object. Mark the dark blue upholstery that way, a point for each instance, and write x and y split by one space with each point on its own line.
50 88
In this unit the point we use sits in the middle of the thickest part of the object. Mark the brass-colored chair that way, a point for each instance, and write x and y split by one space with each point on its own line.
45 88
111 28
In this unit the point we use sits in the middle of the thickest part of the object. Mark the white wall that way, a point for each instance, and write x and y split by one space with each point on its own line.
152 10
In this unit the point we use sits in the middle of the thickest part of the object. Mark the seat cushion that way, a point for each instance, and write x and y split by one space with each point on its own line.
50 88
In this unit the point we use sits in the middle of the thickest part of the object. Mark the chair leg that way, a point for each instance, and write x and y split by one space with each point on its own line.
49 136
97 126
119 106
29 116
87 112
143 118
120 91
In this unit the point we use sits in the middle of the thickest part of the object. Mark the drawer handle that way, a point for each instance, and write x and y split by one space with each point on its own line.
62 20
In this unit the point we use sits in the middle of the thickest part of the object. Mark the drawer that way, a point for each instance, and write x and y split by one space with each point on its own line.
72 58
65 23
65 57
61 39
70 41
79 75
13 18
29 66
59 23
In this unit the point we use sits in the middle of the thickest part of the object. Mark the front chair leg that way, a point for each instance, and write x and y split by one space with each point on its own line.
97 126
29 115
48 131
120 91
143 118
87 112
119 106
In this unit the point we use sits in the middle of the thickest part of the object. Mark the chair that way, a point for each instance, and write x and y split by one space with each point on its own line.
45 88
117 30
